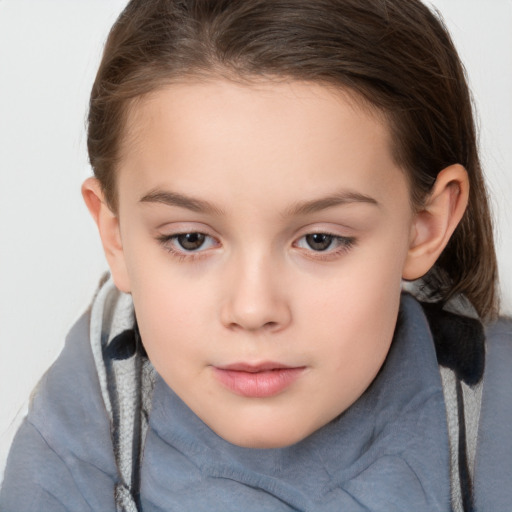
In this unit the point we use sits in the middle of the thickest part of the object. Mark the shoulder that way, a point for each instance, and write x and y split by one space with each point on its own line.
500 329
67 400
498 359
498 368
493 481
63 451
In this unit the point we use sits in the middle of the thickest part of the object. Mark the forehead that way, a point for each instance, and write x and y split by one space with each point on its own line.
207 98
266 133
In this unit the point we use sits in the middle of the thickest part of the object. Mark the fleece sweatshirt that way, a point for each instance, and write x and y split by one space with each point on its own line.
388 452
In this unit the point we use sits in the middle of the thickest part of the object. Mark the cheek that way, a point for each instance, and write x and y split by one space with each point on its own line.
171 333
364 288
355 312
357 325
167 311
161 287
168 307
356 339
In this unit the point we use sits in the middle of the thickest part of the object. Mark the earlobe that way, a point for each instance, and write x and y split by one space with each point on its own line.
435 223
109 230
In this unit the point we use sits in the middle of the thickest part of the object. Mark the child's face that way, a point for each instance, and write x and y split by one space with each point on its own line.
277 310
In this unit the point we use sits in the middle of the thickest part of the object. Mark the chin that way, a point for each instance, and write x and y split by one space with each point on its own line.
263 440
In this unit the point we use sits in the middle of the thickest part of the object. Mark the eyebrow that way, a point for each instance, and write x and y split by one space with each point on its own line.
301 208
323 203
183 201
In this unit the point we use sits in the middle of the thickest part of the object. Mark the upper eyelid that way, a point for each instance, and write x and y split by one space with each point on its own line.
180 228
209 234
346 239
344 243
327 228
169 230
328 232
191 226
173 236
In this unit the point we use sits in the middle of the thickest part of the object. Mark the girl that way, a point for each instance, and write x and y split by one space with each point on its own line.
267 173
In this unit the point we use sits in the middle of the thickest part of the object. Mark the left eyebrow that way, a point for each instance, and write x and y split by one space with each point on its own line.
339 199
182 201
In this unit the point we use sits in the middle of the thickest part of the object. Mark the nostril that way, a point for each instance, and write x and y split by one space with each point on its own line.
264 313
267 326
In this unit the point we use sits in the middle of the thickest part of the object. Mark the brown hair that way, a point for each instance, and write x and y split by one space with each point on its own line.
395 54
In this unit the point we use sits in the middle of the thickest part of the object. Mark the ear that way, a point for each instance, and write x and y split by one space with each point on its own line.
108 227
435 223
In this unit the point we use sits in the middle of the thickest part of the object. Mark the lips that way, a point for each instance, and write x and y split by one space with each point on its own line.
257 381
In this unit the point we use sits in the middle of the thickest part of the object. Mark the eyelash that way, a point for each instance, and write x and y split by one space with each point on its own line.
345 244
182 255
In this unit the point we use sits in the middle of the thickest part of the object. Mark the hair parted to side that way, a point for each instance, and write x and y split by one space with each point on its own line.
396 55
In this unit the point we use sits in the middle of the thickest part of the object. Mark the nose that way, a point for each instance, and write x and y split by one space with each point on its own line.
255 298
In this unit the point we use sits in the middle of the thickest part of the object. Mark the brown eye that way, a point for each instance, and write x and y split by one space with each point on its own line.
319 241
191 241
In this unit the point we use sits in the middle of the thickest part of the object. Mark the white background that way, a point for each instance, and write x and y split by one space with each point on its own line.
50 255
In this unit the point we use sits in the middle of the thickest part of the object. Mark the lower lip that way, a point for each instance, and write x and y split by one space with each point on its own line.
258 384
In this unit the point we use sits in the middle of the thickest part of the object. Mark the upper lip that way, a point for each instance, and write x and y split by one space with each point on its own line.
255 368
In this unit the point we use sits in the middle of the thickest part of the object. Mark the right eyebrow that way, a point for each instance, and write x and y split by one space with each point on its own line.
182 201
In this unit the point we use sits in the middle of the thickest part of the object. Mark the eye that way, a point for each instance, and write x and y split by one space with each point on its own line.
325 242
187 242
190 241
319 241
